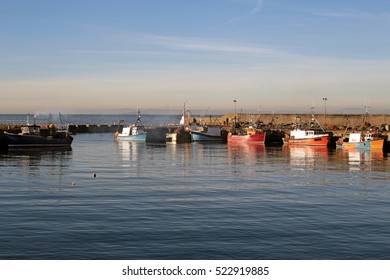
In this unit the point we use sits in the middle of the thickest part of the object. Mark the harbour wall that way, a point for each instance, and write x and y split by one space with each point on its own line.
329 121
284 121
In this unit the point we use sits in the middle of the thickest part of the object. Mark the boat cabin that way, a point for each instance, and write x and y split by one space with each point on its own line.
251 131
30 130
369 136
207 129
302 134
132 130
355 137
136 130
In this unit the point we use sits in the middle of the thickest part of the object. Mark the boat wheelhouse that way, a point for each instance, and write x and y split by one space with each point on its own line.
306 138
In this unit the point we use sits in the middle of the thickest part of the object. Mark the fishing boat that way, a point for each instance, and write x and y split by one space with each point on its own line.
366 141
179 134
34 136
208 133
135 132
3 143
246 135
306 138
274 137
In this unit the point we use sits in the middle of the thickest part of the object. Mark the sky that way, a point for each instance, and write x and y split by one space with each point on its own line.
271 56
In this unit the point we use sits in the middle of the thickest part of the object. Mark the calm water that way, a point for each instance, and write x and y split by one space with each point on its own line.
44 118
193 201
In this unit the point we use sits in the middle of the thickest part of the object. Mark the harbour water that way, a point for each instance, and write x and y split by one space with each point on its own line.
193 201
45 118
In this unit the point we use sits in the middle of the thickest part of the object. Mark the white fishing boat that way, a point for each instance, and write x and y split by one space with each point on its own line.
135 132
306 138
180 133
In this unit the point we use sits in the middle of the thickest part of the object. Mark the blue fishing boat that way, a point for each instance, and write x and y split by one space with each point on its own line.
367 141
135 132
208 133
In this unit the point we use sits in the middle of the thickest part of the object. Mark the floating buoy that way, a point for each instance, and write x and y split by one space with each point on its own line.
73 183
94 175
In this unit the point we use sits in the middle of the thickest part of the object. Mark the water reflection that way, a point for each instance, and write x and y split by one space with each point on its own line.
130 151
180 153
208 152
358 158
305 155
246 154
36 163
33 157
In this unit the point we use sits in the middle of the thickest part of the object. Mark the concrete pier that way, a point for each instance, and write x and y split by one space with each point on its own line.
328 121
92 128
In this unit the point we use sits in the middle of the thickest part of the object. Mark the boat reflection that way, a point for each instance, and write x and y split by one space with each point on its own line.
208 150
356 158
130 151
181 153
37 154
245 153
39 162
305 155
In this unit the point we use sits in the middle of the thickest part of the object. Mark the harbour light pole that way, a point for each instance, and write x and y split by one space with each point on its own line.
325 99
366 116
235 110
235 116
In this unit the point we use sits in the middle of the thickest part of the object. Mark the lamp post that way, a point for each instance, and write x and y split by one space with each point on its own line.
325 99
312 114
235 116
366 116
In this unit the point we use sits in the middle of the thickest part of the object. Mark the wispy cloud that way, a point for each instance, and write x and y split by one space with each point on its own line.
202 45
138 43
257 8
152 43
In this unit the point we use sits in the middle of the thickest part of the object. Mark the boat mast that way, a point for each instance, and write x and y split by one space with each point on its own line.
185 120
59 115
313 118
138 116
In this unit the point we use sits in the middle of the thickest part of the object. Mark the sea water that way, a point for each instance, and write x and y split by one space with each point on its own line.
111 200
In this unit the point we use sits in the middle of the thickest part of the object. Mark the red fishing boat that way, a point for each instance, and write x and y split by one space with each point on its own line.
306 138
247 135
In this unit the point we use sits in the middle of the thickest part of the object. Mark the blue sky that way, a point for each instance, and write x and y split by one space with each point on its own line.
93 56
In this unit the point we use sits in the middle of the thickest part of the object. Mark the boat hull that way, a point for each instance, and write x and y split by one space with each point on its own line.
257 138
317 141
375 144
175 137
35 141
132 138
199 136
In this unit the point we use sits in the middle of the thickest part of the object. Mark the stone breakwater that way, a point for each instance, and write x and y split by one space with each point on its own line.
329 121
281 121
338 124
